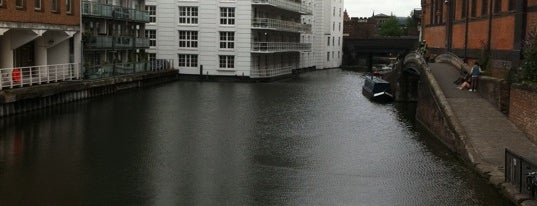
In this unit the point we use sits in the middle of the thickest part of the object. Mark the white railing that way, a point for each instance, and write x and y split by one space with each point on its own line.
28 76
265 47
285 4
272 71
266 23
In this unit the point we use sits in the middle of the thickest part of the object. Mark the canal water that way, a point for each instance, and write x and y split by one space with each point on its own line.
312 140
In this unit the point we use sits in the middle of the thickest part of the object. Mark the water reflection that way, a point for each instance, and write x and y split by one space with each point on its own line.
313 140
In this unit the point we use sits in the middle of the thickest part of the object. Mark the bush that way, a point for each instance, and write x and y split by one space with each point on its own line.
528 72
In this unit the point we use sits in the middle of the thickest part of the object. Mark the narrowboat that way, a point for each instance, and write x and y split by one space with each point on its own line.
377 89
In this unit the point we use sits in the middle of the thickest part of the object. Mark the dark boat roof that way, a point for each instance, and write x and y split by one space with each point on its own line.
376 80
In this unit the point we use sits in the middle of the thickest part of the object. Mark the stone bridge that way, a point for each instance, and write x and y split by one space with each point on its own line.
361 51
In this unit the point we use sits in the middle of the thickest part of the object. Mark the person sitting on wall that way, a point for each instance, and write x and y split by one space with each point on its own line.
465 85
462 78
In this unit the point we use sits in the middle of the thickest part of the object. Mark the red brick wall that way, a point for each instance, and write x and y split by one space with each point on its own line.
523 110
435 36
9 13
477 34
503 33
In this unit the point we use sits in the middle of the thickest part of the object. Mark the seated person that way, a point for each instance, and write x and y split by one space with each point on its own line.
465 85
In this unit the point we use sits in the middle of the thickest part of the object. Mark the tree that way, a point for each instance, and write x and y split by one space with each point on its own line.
391 27
529 66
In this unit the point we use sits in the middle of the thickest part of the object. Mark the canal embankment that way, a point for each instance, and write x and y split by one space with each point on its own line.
24 99
473 128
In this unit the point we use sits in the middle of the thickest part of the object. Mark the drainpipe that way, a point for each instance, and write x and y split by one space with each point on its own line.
449 23
489 35
467 21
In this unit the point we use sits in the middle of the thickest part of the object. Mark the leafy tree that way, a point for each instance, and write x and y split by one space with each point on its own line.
528 73
391 27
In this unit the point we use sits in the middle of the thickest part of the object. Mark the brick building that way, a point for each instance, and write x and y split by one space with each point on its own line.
39 33
480 30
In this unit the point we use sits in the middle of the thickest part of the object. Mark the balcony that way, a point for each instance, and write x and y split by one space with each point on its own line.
109 42
276 24
273 47
96 9
272 71
35 75
285 4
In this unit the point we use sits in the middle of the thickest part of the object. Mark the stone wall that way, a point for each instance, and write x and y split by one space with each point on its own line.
495 91
523 110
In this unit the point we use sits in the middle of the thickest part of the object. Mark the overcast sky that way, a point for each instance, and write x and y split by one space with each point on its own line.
364 8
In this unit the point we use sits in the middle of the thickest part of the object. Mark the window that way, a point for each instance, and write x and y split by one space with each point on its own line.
19 4
339 41
512 5
328 41
473 11
339 12
333 41
334 11
497 6
333 26
151 34
188 15
37 5
327 56
152 10
151 57
227 15
484 7
188 39
227 40
188 60
226 61
68 7
464 12
54 6
339 26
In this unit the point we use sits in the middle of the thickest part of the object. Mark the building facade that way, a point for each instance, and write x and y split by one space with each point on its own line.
326 37
489 31
35 36
114 40
255 39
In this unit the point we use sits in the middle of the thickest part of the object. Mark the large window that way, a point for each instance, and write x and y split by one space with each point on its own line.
37 5
227 40
188 15
473 11
188 39
188 60
512 5
227 15
226 61
151 34
484 7
68 7
497 6
54 6
152 10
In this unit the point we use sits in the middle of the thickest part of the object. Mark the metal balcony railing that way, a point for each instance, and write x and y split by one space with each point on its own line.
276 24
272 71
108 42
142 42
285 4
100 42
33 75
97 9
268 47
125 68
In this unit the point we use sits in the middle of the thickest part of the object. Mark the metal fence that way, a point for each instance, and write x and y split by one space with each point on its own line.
286 4
280 46
518 172
28 76
268 23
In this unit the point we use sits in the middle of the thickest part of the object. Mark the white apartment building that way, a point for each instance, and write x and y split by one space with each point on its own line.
327 34
252 38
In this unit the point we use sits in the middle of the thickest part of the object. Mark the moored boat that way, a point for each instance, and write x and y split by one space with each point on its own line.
377 89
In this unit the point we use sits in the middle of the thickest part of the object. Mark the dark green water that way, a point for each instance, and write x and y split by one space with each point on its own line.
313 140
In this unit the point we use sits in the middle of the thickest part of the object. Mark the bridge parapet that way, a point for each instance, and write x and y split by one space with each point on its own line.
452 59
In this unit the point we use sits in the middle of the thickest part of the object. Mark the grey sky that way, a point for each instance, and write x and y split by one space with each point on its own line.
364 8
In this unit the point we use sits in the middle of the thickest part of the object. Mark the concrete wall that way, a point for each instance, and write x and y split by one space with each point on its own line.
523 110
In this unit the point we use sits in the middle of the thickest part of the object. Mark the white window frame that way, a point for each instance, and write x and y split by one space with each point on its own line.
188 39
151 34
188 15
226 61
38 5
188 60
151 57
152 11
19 4
68 6
227 15
227 40
54 5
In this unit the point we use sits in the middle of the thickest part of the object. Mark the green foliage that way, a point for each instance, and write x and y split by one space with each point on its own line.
391 27
528 72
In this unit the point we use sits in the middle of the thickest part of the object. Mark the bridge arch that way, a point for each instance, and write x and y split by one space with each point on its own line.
408 77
